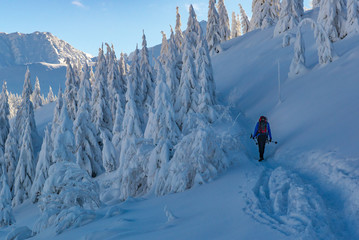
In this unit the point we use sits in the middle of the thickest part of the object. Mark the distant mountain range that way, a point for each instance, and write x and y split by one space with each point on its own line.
21 49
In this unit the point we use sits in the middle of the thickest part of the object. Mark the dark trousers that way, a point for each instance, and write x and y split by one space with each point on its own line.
261 144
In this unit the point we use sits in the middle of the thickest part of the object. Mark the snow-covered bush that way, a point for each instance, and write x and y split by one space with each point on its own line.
198 158
69 198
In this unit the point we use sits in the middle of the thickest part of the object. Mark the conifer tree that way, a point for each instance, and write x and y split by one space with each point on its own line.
64 141
108 155
131 170
290 15
36 95
147 83
214 31
162 124
123 69
223 21
134 79
207 96
101 112
117 127
352 23
26 112
6 216
71 90
50 96
244 20
42 167
57 112
178 33
188 91
332 17
115 81
4 117
11 156
236 26
270 13
172 66
88 151
25 169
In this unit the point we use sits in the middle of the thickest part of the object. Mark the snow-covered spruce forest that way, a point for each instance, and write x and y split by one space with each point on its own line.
125 135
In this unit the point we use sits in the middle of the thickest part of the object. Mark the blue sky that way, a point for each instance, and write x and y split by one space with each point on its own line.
85 24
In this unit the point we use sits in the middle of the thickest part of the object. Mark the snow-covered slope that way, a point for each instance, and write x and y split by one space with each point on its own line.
19 49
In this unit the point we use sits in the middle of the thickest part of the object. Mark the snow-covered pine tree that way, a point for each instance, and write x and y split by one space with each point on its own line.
134 78
50 96
244 20
26 113
198 158
223 21
352 23
315 3
88 152
114 80
108 155
42 167
214 30
25 169
64 141
11 156
162 123
68 199
4 116
164 49
324 45
36 98
291 12
178 33
207 97
189 90
131 169
71 90
123 69
332 17
57 112
101 111
257 14
147 79
270 13
6 216
117 126
236 26
172 66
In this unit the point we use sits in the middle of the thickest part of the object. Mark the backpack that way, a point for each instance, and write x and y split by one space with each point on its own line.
262 126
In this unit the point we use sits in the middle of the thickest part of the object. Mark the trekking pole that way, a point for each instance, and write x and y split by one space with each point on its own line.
254 139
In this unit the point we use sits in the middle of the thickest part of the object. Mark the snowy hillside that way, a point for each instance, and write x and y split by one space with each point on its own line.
22 49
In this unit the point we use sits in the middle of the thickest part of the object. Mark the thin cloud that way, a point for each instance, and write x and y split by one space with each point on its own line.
78 4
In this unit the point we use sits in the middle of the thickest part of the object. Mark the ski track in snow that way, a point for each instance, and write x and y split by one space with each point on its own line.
283 201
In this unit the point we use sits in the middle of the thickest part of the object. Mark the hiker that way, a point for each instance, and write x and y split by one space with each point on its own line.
262 132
